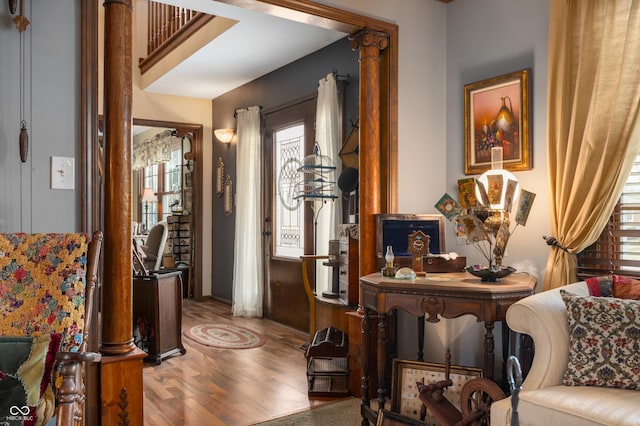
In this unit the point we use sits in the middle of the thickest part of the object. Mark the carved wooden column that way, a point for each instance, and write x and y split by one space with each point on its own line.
370 43
121 367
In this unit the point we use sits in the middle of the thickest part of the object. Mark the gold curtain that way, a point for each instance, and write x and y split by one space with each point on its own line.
593 136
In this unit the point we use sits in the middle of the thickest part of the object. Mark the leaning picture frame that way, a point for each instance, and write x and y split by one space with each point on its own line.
497 114
404 391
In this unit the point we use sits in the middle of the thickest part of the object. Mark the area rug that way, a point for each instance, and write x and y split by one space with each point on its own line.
225 336
342 413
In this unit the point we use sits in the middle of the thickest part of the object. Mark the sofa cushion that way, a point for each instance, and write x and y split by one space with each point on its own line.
26 365
600 286
604 334
626 287
571 406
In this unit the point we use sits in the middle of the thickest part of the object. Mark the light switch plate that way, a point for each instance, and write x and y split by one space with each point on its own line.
62 173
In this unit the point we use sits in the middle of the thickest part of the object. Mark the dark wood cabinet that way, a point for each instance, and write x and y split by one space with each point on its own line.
157 314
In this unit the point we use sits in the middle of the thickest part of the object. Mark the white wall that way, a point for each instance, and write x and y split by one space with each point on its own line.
51 113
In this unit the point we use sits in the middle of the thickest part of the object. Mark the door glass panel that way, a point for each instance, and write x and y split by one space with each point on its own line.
288 154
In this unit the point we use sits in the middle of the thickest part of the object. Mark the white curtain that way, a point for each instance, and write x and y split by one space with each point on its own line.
328 139
247 268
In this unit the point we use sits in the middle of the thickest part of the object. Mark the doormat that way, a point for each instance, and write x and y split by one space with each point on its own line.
225 336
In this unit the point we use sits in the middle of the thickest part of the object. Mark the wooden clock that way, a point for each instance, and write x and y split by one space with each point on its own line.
418 247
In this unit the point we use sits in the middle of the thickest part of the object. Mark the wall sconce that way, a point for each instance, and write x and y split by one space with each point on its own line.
225 135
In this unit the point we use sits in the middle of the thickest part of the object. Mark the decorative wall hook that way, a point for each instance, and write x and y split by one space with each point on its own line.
21 21
24 141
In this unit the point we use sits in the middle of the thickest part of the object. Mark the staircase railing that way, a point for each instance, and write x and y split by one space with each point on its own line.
168 27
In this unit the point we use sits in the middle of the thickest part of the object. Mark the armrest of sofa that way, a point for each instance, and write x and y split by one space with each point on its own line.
543 316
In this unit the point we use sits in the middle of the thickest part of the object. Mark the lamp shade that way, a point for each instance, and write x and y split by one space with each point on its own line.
224 135
148 195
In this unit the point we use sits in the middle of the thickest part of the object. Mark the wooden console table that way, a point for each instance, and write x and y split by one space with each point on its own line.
447 295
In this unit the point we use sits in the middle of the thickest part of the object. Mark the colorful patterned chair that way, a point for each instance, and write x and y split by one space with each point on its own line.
46 288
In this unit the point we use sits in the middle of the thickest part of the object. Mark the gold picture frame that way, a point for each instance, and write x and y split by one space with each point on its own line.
404 391
497 113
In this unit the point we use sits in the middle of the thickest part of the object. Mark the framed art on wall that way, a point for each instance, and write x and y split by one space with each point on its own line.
404 391
497 114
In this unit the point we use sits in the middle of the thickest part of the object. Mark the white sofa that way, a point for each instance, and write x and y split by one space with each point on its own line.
544 400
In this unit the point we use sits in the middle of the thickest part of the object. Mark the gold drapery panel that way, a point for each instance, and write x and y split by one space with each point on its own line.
593 136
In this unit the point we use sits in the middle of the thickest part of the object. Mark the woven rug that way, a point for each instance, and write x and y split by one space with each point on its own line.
225 336
342 413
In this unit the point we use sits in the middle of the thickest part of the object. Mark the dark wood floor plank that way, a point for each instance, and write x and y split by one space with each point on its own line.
228 387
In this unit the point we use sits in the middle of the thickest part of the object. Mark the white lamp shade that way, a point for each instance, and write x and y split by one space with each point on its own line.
148 195
497 185
224 135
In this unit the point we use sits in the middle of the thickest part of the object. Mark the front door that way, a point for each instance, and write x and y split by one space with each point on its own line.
289 135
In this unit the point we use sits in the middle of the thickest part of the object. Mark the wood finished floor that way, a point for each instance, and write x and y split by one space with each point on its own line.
210 386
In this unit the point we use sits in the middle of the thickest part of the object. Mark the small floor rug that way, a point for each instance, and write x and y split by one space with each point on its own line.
342 413
224 336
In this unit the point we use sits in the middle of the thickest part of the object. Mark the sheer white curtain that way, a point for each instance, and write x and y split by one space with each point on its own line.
247 268
328 139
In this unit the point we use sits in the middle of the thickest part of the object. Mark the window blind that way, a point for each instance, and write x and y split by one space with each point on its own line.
617 250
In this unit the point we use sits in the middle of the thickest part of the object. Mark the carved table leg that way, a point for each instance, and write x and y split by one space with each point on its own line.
421 338
382 358
366 334
489 355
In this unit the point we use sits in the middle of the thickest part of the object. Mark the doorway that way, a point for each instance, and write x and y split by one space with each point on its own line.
190 200
288 137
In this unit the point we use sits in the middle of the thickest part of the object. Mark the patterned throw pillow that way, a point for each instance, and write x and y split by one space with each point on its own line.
600 286
26 365
626 288
604 337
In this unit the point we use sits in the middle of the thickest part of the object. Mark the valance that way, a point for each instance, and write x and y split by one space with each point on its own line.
153 150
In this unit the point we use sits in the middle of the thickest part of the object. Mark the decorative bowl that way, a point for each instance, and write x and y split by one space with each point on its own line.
490 275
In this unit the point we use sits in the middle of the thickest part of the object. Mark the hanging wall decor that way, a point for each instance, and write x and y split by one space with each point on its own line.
220 178
228 196
21 23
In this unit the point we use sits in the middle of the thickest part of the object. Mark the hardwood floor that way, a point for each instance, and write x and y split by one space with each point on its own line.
210 386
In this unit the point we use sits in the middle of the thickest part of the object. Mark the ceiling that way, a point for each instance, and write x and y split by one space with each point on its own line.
256 45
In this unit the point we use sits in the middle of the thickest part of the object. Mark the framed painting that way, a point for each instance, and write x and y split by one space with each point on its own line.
497 114
404 391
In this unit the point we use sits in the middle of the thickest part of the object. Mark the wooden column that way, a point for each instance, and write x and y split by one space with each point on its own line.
121 366
370 43
117 332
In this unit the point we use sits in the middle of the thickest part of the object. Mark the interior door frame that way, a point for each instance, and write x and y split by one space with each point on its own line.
185 129
306 11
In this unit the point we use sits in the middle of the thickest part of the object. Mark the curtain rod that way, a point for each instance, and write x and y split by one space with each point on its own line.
235 111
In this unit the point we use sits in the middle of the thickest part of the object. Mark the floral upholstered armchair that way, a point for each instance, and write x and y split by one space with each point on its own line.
46 288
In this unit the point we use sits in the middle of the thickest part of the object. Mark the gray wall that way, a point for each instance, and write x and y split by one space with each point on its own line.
286 84
51 110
